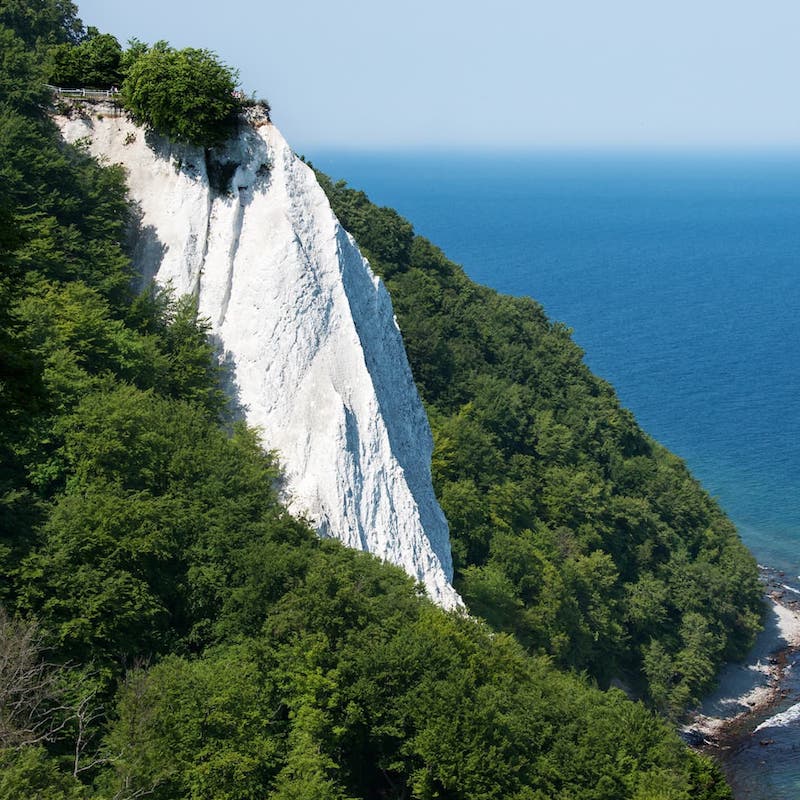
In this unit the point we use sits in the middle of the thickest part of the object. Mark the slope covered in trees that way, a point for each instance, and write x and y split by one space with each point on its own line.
166 628
571 528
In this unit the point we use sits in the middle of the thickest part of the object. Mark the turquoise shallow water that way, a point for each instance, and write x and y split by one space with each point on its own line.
679 276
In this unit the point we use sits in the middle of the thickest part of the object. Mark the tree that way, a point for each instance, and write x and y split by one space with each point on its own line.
32 774
95 62
29 687
42 22
17 65
187 95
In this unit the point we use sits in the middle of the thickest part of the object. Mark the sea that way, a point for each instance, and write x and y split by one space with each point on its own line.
679 274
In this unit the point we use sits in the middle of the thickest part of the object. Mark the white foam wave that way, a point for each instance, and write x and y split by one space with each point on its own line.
792 714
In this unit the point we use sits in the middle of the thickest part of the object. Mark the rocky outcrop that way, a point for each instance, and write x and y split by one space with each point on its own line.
317 357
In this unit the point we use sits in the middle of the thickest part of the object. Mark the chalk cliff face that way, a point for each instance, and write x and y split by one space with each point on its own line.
317 357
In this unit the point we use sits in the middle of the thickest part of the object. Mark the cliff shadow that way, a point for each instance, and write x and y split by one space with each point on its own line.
144 248
235 410
146 252
185 159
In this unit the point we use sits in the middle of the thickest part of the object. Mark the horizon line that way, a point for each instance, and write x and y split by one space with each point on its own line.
567 149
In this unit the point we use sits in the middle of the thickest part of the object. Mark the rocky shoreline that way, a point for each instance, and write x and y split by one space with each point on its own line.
748 691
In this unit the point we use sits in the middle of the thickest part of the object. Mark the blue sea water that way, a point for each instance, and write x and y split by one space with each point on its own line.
679 275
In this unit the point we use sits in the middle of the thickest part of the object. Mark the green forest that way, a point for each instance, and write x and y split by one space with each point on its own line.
570 527
168 630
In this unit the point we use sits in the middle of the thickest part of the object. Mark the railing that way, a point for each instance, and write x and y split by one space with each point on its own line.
86 94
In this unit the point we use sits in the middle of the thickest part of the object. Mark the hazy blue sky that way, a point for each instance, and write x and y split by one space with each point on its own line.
566 73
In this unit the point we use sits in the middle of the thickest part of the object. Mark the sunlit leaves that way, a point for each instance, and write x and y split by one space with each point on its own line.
187 94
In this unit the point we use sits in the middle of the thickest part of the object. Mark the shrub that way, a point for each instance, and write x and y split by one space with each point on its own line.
187 95
95 62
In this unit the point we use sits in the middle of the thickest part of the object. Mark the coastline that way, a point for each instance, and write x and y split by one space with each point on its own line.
747 691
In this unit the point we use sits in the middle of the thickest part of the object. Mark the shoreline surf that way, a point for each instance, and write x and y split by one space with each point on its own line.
754 699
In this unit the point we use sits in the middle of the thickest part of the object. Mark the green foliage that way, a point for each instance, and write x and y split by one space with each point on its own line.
570 527
69 325
206 644
402 701
136 48
95 62
383 234
69 215
187 94
198 728
142 549
33 774
40 23
17 65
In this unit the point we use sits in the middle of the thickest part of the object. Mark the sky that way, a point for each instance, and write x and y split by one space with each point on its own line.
566 74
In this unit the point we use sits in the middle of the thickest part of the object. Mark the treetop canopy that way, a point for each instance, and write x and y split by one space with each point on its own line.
189 94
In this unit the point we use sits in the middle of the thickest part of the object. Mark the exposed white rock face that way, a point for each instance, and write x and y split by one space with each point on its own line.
319 362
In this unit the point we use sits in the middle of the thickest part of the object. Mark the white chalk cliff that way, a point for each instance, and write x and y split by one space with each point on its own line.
318 359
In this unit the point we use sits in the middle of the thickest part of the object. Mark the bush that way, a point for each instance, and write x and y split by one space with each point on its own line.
94 63
187 95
